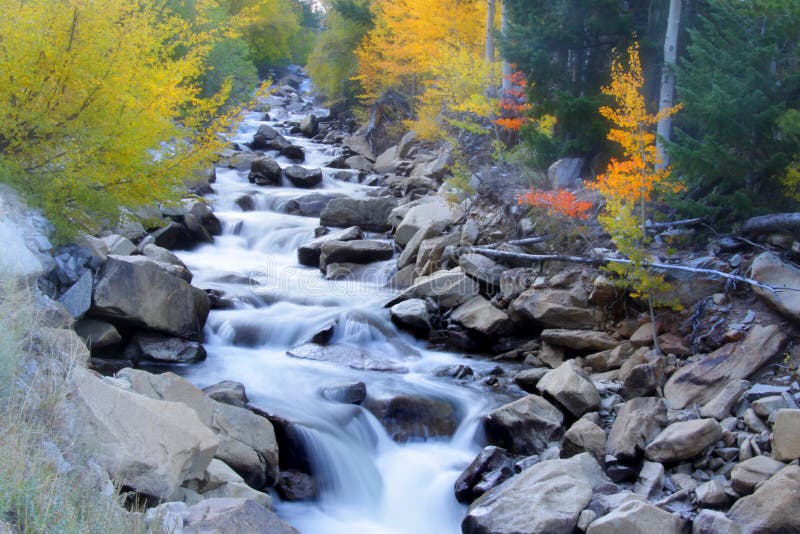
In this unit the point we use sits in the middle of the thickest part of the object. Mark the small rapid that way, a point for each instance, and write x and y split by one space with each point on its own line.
367 483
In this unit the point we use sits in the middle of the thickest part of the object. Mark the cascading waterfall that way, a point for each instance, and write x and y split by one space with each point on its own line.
367 483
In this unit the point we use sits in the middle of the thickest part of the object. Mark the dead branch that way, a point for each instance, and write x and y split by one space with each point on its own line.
675 224
772 223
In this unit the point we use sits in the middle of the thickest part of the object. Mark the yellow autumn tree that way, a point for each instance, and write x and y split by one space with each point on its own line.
433 51
100 106
631 184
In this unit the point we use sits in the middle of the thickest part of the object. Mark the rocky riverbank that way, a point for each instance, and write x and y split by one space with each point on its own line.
608 432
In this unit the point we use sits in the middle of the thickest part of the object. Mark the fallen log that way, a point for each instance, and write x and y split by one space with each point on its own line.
675 224
772 223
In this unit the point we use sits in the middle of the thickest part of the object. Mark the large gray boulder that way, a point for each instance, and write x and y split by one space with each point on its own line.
638 517
216 515
302 177
247 441
309 126
359 251
482 269
411 313
265 171
752 472
143 295
768 269
526 426
149 445
565 172
571 388
638 422
310 205
701 380
370 214
447 289
773 507
309 254
786 435
411 416
683 440
17 262
546 497
268 138
438 213
552 308
479 315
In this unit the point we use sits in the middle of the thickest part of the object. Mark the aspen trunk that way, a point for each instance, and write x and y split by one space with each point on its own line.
668 78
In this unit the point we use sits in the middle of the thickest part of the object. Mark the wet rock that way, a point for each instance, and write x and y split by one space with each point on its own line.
584 436
721 405
638 422
413 314
555 308
144 295
768 269
439 214
457 371
160 348
491 467
309 126
683 440
408 417
701 380
752 472
582 340
786 435
350 393
479 315
447 289
638 517
713 522
97 334
309 254
177 236
370 214
310 205
149 445
234 515
773 506
546 497
242 161
227 392
206 218
345 355
358 251
525 426
246 203
571 388
265 171
268 138
296 486
302 177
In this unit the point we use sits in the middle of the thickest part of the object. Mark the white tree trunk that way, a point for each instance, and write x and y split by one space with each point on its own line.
506 67
490 12
668 78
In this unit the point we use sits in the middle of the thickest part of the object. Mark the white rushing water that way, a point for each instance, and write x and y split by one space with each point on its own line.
367 483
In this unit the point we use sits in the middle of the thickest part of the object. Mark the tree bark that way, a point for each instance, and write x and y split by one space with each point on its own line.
772 223
668 79
490 13
507 87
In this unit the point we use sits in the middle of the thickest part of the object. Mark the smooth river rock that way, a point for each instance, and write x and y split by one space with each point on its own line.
525 426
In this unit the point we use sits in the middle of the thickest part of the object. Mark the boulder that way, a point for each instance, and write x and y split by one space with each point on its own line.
345 355
491 467
65 345
412 314
650 482
205 217
581 340
118 245
721 405
151 446
643 379
565 172
714 522
770 270
700 381
431 253
213 516
227 392
268 138
478 314
584 436
358 163
160 348
162 255
294 153
554 308
752 472
387 161
408 416
78 298
349 393
309 126
302 177
309 254
683 440
483 270
773 506
247 441
525 426
97 334
359 251
143 295
637 423
370 214
295 486
638 517
242 161
265 171
786 435
310 205
359 144
447 289
546 497
409 254
439 214
17 262
529 378
177 236
571 388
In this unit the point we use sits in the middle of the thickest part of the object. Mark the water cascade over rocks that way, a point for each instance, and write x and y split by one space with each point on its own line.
306 347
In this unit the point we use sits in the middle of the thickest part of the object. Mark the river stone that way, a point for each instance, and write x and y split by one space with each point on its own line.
118 245
714 522
309 126
179 271
768 269
431 253
302 177
97 334
160 348
546 497
525 426
752 472
447 289
409 254
650 482
786 435
411 313
397 214
773 506
227 392
637 423
683 440
144 295
345 355
310 205
582 340
439 213
149 445
370 214
491 467
359 144
554 308
206 217
408 417
161 255
349 393
268 138
265 171
358 163
571 388
309 254
213 516
78 298
177 236
479 315
247 441
529 378
358 251
483 270
584 436
638 517
295 486
700 381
